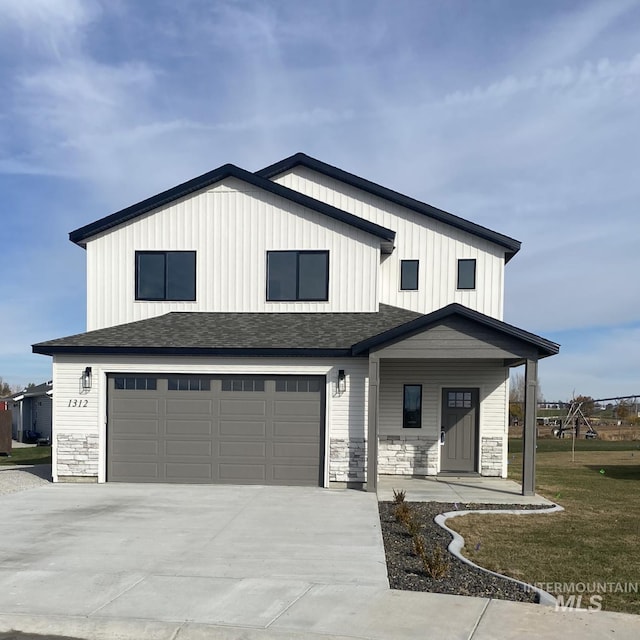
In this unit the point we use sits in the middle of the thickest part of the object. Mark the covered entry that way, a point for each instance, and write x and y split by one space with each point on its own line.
449 347
215 429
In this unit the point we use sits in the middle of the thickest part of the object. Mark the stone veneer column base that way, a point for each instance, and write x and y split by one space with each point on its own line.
408 455
347 460
77 457
491 456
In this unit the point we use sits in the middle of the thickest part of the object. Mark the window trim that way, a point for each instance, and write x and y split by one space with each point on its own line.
166 267
404 410
410 261
475 267
298 252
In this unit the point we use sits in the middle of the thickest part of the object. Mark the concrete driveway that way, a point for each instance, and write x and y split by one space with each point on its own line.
214 554
162 562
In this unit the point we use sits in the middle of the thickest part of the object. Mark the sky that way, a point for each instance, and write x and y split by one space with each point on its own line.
520 116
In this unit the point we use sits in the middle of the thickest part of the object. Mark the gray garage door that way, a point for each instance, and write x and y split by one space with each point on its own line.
223 429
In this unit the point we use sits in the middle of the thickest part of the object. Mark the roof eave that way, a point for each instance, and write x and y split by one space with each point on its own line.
51 350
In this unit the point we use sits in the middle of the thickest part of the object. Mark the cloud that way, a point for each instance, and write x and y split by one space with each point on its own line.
46 27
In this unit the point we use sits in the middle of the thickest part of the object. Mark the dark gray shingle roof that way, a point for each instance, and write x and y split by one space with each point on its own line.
276 334
218 332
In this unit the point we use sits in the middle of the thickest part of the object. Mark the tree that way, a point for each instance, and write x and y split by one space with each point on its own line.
588 406
5 389
623 410
517 395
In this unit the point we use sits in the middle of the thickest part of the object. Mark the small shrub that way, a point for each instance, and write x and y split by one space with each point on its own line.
413 527
399 495
402 513
419 546
436 564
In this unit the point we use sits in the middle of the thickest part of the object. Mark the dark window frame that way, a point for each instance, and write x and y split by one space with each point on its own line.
459 284
298 297
135 383
165 297
403 285
405 420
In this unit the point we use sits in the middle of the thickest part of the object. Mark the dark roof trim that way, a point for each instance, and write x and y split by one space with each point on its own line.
512 246
228 170
545 347
191 351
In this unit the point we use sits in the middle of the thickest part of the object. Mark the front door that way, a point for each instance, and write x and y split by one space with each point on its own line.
459 435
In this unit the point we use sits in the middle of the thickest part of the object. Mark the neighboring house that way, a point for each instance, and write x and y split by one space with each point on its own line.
264 327
31 411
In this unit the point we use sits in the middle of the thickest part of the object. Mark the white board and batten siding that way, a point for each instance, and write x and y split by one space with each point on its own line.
489 376
345 413
231 226
436 245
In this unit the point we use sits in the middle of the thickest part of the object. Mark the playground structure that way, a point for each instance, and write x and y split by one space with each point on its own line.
571 423
575 418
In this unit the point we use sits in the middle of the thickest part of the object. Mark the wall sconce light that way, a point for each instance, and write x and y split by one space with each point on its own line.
342 381
86 379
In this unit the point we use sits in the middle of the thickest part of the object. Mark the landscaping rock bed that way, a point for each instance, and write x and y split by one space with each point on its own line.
405 569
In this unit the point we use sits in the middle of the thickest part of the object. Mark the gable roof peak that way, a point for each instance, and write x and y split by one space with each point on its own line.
510 245
79 236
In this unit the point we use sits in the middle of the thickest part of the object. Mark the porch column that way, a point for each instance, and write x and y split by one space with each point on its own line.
529 435
372 432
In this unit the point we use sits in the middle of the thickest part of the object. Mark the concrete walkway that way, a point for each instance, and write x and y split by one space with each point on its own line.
462 489
167 562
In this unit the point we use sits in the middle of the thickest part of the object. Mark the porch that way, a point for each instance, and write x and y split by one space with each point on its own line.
457 489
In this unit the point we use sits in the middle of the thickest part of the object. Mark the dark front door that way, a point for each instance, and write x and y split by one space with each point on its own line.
460 409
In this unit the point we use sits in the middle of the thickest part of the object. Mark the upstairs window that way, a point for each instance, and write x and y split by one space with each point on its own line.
467 274
409 275
297 275
165 275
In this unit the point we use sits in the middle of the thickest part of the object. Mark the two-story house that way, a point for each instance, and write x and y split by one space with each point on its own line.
297 325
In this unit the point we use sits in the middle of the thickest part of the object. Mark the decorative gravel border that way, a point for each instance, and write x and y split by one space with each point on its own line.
457 544
463 577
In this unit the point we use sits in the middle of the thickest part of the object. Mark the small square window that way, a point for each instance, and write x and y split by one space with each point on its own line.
409 275
467 274
412 407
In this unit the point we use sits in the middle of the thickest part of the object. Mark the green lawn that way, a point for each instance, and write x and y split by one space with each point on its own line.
28 455
596 538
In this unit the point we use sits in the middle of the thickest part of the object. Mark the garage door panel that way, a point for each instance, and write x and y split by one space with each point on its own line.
188 471
136 404
241 428
257 435
136 471
242 407
198 447
194 406
295 429
296 451
129 447
188 427
249 449
296 407
294 475
242 472
132 427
